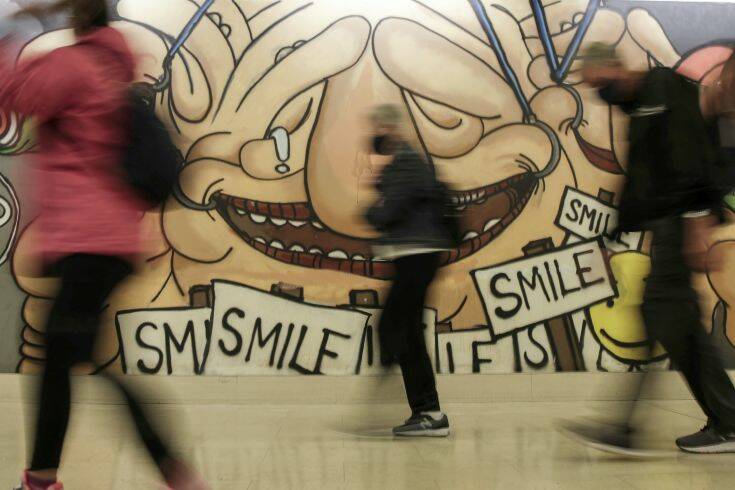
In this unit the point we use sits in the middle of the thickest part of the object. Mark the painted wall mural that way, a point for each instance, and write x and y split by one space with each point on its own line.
261 263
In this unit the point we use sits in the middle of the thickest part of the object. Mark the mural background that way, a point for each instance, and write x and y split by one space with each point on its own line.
258 267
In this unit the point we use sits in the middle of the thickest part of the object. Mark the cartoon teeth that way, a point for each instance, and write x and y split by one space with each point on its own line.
262 219
490 224
470 235
474 197
338 254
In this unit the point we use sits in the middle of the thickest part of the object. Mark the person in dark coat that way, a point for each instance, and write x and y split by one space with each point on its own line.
410 216
673 191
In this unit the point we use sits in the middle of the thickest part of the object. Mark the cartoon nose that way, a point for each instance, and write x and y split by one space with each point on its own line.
338 170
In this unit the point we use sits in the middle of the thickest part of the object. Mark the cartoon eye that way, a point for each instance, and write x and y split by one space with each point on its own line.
446 132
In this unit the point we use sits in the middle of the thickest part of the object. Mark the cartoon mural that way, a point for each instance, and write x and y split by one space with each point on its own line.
261 263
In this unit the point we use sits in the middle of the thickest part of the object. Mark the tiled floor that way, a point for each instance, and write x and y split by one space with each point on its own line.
494 446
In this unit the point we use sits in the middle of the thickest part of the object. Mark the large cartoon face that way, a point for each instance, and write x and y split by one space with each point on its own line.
270 101
286 163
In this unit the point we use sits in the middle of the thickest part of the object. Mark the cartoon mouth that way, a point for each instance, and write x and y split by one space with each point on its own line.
601 158
292 233
620 343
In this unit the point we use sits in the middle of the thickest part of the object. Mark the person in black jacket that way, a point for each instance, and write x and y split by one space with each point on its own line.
671 191
410 215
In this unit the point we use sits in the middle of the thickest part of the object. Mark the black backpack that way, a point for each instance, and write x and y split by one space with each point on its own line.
451 218
152 162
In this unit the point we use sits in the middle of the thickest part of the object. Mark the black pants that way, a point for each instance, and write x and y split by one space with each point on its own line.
86 281
402 331
672 317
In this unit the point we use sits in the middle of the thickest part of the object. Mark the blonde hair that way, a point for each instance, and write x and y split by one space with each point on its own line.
387 115
600 54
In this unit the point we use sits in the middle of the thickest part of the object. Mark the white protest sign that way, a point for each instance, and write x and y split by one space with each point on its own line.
474 351
259 333
533 289
462 350
166 341
588 217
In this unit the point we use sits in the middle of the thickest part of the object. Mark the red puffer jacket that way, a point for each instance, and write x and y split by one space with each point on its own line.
77 96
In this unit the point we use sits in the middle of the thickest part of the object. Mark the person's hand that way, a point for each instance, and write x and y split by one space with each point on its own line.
695 242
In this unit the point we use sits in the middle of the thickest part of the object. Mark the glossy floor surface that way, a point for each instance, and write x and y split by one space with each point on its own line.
510 445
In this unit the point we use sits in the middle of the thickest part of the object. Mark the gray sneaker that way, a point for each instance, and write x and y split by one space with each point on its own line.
708 441
423 425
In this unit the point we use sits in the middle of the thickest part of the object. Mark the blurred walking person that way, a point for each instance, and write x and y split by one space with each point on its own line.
89 218
672 190
411 216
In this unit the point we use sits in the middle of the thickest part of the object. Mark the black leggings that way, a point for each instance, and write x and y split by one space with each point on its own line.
402 330
86 282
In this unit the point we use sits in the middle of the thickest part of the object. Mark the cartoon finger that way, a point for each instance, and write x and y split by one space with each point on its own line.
252 107
263 14
650 37
411 56
231 20
203 65
513 43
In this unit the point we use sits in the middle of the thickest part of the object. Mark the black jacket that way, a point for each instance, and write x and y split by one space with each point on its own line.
673 166
412 208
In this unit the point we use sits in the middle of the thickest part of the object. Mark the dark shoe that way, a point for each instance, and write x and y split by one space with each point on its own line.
708 441
26 485
180 477
608 438
423 425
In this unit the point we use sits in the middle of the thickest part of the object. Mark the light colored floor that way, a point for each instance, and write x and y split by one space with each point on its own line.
511 445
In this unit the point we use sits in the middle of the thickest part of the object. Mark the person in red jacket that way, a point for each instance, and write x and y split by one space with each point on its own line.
89 218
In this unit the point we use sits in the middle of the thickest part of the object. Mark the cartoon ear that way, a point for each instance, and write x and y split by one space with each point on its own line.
648 33
704 65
